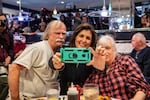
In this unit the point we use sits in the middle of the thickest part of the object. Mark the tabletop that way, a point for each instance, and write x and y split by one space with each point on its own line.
63 97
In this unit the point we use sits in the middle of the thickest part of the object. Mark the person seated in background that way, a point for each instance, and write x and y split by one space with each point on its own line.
42 27
84 36
117 76
6 42
16 27
39 31
104 23
77 20
32 34
145 21
141 54
137 19
64 19
29 73
6 55
148 20
84 19
19 44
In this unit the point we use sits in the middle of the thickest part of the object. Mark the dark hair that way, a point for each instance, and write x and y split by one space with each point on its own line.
80 28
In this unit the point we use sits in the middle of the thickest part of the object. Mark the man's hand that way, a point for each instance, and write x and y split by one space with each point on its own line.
57 61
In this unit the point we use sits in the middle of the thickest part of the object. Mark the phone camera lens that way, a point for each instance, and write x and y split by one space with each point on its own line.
74 55
83 55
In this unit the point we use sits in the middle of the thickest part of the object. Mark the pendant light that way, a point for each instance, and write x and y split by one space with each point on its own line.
20 17
104 12
55 11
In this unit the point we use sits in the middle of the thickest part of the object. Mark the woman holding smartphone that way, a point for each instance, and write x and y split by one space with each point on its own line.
84 36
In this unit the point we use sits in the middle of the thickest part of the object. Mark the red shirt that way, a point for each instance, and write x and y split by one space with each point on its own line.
18 47
122 81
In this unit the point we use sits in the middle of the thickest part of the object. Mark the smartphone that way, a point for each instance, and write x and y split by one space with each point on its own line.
75 55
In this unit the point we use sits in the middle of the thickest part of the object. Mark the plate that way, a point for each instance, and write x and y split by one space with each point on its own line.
41 98
82 98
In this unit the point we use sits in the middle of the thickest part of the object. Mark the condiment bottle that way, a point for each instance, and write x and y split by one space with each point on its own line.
72 93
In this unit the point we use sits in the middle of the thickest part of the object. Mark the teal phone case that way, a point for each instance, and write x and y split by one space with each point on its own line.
75 55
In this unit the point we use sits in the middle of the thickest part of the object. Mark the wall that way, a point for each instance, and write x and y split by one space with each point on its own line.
10 11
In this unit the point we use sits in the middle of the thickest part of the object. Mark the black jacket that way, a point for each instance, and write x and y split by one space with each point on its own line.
7 43
143 60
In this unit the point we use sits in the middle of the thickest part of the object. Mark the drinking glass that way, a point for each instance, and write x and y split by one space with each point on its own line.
91 91
53 91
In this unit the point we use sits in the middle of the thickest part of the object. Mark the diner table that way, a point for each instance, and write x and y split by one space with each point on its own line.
63 97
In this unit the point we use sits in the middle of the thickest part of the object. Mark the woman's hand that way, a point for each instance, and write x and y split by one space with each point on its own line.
98 60
57 61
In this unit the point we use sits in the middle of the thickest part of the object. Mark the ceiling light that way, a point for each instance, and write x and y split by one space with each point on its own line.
62 2
104 12
55 11
20 17
18 2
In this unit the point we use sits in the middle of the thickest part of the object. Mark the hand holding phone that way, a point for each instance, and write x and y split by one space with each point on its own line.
75 55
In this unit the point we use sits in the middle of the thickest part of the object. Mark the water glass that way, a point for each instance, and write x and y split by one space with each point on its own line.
53 91
91 91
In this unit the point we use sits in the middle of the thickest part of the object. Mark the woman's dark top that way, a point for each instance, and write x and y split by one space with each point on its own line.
76 73
72 72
